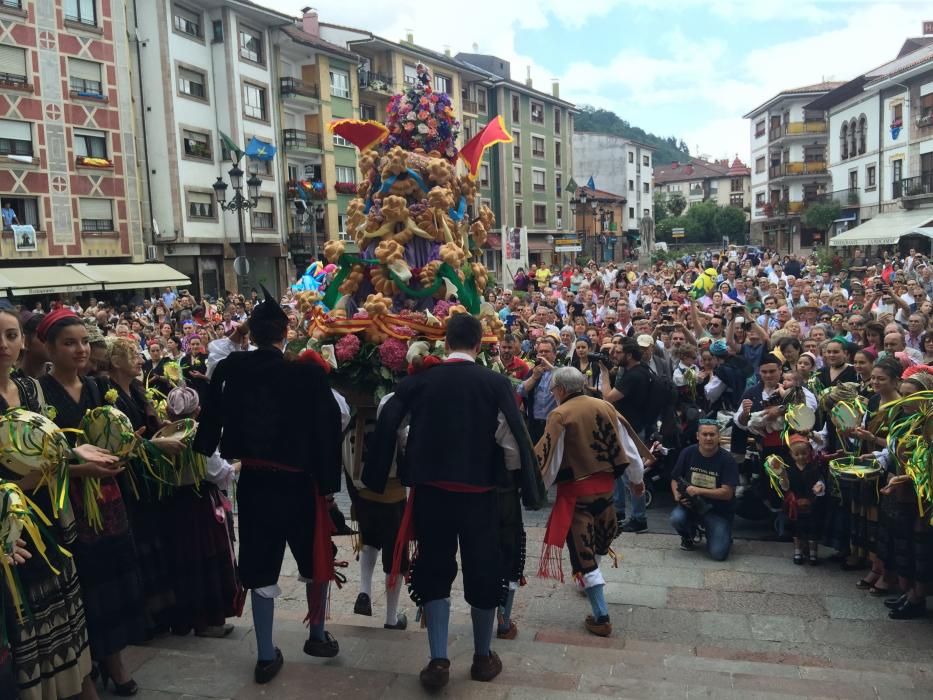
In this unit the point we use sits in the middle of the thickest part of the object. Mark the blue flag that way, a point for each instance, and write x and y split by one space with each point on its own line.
590 185
259 150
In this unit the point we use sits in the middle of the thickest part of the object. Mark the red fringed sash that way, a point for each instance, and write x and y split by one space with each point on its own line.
322 559
561 518
790 505
406 535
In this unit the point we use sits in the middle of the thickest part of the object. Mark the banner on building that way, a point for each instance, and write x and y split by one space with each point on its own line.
514 252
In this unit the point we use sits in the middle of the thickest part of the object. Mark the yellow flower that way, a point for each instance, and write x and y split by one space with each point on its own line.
111 396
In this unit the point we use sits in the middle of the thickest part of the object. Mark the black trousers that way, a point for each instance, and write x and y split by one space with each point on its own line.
444 519
511 534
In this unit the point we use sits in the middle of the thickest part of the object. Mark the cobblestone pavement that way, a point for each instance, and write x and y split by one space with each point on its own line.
754 627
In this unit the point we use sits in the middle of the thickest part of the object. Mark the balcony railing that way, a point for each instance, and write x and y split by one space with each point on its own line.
848 197
797 128
914 186
296 138
471 106
293 86
377 82
814 167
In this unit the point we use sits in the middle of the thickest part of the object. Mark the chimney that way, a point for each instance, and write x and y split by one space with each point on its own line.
409 36
555 87
475 47
528 76
446 49
309 21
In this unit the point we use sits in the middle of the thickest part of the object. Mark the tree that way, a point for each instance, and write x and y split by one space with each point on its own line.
660 206
701 217
676 203
822 216
662 230
730 221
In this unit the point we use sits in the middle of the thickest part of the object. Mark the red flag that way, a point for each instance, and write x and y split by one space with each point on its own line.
363 135
472 152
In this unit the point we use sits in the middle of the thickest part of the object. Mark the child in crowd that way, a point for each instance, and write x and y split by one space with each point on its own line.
803 499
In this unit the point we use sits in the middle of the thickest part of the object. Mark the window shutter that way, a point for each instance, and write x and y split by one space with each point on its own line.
200 197
263 206
90 132
96 209
12 60
86 70
19 131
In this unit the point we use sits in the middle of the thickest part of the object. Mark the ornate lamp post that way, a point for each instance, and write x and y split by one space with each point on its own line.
238 204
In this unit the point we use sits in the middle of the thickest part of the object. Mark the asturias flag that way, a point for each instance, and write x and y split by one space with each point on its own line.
472 152
259 150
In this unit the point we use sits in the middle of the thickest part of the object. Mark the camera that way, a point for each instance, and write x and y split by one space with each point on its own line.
599 357
699 504
667 328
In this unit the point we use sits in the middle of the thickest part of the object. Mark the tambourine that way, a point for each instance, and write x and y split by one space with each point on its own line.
851 470
31 442
109 428
846 415
776 469
190 467
183 430
800 418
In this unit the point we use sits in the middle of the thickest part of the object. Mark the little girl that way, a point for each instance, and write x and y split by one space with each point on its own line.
803 499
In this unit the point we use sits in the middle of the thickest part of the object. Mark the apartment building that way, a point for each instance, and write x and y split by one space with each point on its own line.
210 67
620 166
726 184
68 157
881 151
789 166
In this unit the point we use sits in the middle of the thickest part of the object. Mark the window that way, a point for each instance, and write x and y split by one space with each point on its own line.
341 141
82 11
15 138
26 208
411 74
13 65
557 184
760 164
537 146
540 214
557 120
187 21
90 144
84 78
340 84
254 101
516 144
441 83
294 172
759 128
518 215
367 112
646 187
263 168
631 185
517 179
557 153
926 110
736 185
516 109
197 144
200 205
263 214
483 175
192 83
251 45
560 216
342 223
217 26
646 160
481 98
853 179
631 212
897 114
346 173
736 200
537 113
631 157
96 215
759 199
537 180
870 176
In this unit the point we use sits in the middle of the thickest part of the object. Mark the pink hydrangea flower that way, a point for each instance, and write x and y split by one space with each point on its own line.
347 348
441 308
392 354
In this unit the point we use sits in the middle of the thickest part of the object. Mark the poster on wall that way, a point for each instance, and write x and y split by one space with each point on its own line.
24 238
514 252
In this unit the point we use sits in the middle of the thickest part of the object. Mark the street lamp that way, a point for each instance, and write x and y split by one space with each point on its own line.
238 204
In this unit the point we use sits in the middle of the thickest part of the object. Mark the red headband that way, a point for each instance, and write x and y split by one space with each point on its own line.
50 319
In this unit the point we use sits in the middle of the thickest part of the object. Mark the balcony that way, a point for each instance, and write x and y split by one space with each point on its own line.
914 190
797 129
292 88
375 82
298 140
797 169
844 198
470 107
925 120
14 81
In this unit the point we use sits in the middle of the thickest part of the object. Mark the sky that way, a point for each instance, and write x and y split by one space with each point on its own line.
687 68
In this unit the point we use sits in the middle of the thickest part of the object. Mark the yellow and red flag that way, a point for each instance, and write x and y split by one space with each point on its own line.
493 132
362 134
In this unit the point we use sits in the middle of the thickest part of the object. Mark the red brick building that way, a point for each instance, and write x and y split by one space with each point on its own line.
67 145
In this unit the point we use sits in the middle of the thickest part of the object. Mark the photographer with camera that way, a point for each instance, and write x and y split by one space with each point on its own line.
703 484
539 401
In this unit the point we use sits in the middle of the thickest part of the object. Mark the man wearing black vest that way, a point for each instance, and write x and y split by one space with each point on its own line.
280 419
465 434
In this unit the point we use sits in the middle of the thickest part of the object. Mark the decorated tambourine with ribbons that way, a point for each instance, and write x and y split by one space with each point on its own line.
110 429
800 418
910 442
852 471
190 466
20 518
31 442
776 469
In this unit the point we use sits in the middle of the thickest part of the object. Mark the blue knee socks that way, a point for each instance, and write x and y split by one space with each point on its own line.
437 614
263 609
316 630
597 597
482 629
506 610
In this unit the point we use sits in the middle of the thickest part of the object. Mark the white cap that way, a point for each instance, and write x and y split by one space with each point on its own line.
644 340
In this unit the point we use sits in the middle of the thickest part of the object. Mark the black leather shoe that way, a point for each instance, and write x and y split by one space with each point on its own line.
635 526
363 605
909 611
325 648
894 603
267 670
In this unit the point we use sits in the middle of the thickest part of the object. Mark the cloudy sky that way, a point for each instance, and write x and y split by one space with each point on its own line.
689 68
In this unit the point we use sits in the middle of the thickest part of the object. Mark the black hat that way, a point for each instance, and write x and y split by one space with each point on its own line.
771 359
268 309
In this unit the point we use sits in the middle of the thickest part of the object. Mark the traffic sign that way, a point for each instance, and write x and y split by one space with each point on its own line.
241 266
677 233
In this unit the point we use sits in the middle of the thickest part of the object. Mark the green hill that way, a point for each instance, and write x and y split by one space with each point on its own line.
603 121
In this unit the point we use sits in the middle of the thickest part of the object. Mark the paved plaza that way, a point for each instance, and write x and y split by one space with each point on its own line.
755 626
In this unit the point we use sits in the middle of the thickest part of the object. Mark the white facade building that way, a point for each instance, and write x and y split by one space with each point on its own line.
620 166
210 67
